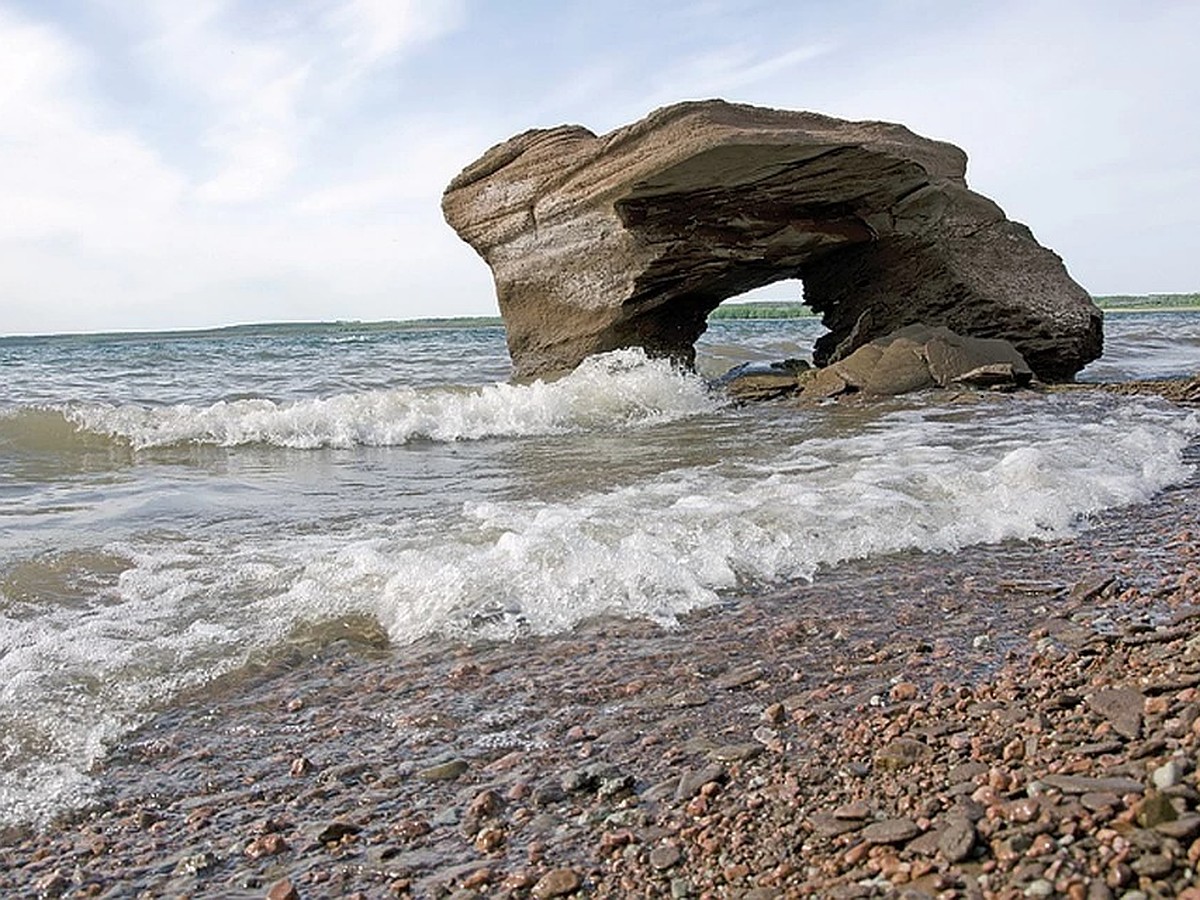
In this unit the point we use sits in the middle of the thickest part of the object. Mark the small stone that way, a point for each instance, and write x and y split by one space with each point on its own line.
196 864
1081 784
827 825
1153 865
446 771
335 831
485 805
1185 828
891 831
859 809
1155 809
957 839
52 884
902 753
283 890
1122 707
903 692
1040 888
301 765
1168 774
266 845
1098 800
736 752
740 678
664 856
775 714
557 883
489 839
690 782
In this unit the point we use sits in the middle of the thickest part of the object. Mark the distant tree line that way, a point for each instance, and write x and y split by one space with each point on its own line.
1148 301
793 309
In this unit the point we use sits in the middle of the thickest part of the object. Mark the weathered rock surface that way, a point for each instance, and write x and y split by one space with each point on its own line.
913 358
633 237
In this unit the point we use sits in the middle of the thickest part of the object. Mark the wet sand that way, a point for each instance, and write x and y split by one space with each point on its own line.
1019 720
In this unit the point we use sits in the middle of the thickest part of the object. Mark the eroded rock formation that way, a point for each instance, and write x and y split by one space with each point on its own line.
632 238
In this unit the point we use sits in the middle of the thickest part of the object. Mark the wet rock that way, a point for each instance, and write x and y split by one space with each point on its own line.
755 387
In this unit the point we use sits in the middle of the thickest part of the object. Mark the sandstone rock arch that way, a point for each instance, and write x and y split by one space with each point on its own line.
633 237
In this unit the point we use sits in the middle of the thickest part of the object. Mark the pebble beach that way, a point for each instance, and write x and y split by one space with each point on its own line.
1012 720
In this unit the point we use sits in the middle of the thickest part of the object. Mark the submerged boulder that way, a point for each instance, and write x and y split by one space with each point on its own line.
633 237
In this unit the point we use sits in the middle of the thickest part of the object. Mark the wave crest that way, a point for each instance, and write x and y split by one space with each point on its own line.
616 389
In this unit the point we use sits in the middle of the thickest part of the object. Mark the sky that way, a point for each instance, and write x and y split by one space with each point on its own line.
178 165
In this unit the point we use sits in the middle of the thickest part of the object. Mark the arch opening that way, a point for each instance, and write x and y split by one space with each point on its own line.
769 325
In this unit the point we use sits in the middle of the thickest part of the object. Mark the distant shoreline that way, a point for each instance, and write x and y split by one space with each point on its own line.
735 310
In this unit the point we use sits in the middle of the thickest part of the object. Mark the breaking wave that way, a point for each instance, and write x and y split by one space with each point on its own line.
616 389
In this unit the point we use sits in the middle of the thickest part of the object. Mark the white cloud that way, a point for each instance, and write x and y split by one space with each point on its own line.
64 177
374 30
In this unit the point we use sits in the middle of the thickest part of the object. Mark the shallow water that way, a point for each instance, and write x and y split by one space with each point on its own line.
177 506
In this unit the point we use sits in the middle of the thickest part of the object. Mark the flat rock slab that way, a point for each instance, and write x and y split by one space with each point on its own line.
632 238
890 831
1122 707
1081 784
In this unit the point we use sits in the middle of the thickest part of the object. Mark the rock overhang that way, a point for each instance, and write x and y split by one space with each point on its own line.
632 238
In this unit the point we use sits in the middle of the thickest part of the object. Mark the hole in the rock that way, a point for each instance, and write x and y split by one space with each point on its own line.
766 325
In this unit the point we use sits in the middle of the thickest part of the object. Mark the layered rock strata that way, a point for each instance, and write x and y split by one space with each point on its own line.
633 237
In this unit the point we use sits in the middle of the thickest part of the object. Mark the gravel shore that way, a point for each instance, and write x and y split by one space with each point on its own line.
1020 720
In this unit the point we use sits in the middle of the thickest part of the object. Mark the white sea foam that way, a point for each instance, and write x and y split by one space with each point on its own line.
614 389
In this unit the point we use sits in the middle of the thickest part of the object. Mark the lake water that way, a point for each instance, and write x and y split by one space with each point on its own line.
177 507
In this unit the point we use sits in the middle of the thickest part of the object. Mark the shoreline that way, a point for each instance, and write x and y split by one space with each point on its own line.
1009 720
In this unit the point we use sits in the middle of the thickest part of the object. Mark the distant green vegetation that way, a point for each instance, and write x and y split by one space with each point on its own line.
792 309
762 309
1149 301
